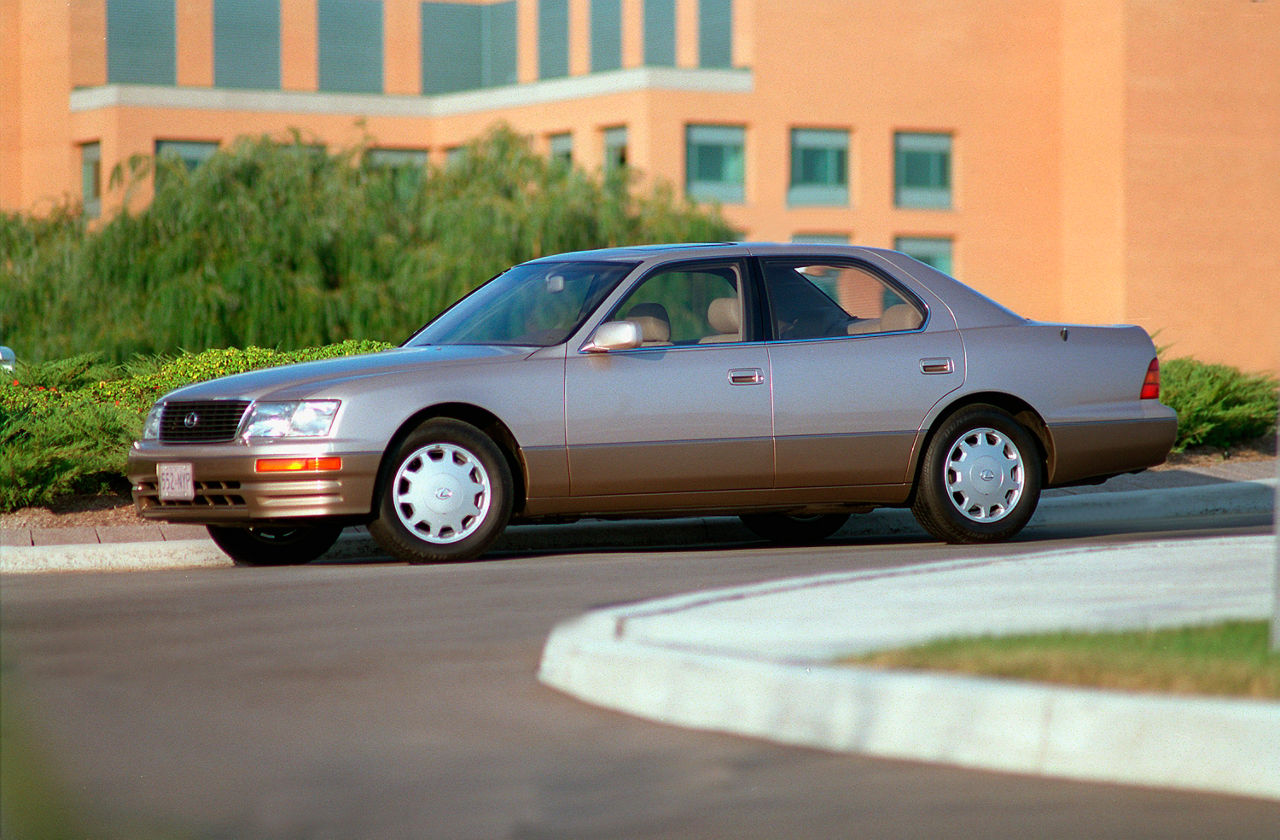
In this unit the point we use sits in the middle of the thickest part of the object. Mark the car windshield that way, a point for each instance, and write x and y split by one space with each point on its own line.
534 304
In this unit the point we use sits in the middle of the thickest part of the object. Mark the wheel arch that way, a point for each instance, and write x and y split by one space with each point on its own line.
1019 409
484 420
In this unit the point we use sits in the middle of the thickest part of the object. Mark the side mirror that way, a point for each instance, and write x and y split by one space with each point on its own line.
614 335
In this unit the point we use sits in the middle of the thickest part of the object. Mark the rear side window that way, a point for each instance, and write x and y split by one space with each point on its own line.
814 299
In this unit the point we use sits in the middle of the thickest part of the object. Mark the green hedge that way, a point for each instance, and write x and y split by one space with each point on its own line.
1218 405
66 426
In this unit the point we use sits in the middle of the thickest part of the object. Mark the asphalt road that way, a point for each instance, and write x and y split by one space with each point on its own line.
385 701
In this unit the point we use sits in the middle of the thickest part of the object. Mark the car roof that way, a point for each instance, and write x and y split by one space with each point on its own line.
700 249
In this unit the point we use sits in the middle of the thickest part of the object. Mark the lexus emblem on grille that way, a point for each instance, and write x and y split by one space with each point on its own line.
191 420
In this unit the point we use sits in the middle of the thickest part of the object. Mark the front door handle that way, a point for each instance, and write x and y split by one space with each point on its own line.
938 365
746 376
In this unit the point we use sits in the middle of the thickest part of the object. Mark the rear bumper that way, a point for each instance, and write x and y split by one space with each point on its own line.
229 491
1102 449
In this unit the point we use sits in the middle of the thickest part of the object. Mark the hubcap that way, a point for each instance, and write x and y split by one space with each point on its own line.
441 493
984 475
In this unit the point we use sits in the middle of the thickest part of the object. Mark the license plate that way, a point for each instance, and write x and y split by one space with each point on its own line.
176 483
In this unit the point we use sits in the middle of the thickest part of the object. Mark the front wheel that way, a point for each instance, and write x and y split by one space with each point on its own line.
447 495
274 546
790 529
980 480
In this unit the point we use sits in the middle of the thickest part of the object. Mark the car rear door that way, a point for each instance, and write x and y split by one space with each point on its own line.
856 362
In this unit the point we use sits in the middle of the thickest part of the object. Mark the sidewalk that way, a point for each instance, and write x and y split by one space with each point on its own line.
757 661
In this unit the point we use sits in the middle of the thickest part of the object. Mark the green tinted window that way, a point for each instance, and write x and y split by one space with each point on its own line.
922 170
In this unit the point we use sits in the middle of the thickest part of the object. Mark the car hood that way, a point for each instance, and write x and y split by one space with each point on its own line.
327 377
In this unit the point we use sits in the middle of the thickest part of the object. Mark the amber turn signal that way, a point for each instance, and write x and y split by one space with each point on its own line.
270 465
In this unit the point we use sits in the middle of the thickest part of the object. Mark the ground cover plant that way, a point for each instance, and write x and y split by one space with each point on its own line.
1232 658
1218 405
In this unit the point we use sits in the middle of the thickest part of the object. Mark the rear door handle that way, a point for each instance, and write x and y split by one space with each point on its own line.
746 376
938 365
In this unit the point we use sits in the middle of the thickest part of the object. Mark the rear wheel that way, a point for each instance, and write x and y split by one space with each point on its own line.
790 529
274 546
980 479
447 497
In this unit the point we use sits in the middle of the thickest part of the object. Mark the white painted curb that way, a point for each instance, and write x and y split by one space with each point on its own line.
738 661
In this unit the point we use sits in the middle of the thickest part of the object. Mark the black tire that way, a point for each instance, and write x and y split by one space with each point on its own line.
789 529
446 495
980 478
274 546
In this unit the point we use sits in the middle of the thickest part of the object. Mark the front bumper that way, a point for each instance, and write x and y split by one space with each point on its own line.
228 490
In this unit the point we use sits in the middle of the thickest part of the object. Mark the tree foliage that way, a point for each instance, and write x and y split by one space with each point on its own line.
289 246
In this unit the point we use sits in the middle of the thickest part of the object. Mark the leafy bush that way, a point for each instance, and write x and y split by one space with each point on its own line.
1217 405
289 246
66 426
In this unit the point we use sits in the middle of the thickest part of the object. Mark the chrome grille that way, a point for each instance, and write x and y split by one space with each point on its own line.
201 421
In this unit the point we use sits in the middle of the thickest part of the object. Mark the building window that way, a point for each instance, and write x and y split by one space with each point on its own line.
615 148
246 44
821 238
465 46
553 38
349 48
660 33
715 33
931 250
406 168
395 158
714 168
561 149
190 154
141 45
819 167
606 35
91 179
922 170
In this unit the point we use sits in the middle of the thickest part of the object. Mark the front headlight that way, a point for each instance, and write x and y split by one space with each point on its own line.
151 427
304 418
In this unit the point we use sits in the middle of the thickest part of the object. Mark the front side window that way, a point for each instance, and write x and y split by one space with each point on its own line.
687 306
816 299
922 170
819 167
714 163
533 304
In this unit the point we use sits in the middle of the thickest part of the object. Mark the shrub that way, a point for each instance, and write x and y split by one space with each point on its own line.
1217 405
66 426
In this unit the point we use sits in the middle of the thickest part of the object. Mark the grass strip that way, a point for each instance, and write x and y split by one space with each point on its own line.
1228 659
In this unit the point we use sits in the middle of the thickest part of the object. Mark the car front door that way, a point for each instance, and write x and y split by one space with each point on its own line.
686 412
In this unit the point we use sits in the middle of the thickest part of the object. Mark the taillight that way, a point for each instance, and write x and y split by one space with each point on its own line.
1151 383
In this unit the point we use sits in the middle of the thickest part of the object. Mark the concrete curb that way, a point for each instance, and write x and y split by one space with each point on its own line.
1244 497
643 659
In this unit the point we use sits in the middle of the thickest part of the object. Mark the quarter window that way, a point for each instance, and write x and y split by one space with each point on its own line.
714 163
819 167
816 299
922 170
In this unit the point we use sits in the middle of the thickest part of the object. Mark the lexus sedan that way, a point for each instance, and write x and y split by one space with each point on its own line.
791 385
